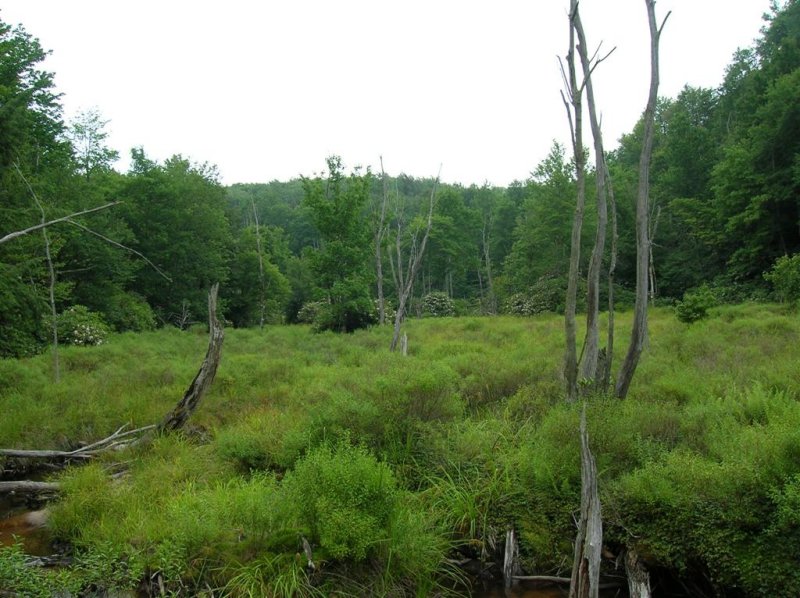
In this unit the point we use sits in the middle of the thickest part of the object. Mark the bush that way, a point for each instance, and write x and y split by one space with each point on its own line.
129 311
548 294
344 497
438 305
81 327
785 278
308 313
695 305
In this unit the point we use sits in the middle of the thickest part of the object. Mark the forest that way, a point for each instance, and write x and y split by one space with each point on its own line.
322 461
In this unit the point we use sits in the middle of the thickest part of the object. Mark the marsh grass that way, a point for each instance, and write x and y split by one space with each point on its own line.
424 455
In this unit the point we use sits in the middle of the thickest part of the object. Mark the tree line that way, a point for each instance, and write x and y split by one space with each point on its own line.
725 183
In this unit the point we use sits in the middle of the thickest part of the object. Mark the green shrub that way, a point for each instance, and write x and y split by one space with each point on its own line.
344 497
129 311
548 294
785 278
695 305
308 313
438 305
81 327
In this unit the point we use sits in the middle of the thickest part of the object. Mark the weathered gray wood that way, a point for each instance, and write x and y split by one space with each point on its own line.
510 557
31 229
178 417
574 108
638 577
585 580
591 345
26 487
639 331
84 452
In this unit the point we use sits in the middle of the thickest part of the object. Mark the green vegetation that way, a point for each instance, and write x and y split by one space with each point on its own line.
388 466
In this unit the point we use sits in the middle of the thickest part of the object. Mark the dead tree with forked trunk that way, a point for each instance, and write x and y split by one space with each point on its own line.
405 268
639 332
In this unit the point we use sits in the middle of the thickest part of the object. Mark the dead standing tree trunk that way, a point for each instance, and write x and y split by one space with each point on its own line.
639 332
574 109
380 232
404 278
591 345
205 376
585 581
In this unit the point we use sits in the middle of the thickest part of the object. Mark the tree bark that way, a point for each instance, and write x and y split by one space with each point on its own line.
574 109
205 376
405 280
638 577
585 580
591 345
639 332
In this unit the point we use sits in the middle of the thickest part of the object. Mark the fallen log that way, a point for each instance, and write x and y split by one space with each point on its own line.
26 487
121 438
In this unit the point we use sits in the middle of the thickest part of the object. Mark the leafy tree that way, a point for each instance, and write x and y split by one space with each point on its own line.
341 263
176 213
87 135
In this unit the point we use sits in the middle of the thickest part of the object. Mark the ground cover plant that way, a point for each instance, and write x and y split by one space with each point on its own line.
391 468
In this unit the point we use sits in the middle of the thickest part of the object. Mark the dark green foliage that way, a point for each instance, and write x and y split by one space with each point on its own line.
695 305
22 331
785 278
341 263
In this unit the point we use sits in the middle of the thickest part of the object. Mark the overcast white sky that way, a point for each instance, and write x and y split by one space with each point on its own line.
266 90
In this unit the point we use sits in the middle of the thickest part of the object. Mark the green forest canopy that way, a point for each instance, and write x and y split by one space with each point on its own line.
725 194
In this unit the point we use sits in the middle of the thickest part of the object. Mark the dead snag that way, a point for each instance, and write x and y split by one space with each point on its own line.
638 577
205 376
585 581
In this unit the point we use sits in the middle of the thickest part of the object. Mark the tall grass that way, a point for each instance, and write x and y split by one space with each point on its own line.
392 465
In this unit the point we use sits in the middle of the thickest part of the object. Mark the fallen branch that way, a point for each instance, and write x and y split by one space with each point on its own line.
31 229
27 487
84 452
175 420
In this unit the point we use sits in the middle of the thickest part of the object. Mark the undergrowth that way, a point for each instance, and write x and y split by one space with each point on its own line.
393 467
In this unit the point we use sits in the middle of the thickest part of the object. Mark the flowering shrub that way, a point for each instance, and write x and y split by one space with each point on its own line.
438 305
79 326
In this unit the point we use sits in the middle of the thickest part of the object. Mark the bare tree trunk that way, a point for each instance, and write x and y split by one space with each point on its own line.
406 279
574 108
487 258
585 581
591 345
638 577
612 268
380 231
639 332
51 274
652 266
262 298
205 376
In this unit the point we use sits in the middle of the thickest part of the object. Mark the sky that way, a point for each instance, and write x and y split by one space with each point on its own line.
266 90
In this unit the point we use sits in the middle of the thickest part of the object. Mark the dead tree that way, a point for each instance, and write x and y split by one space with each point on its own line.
638 577
405 271
585 580
591 345
122 438
574 107
31 229
639 332
205 376
380 232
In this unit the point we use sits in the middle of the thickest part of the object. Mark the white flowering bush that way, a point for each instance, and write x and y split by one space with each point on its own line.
79 326
438 305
